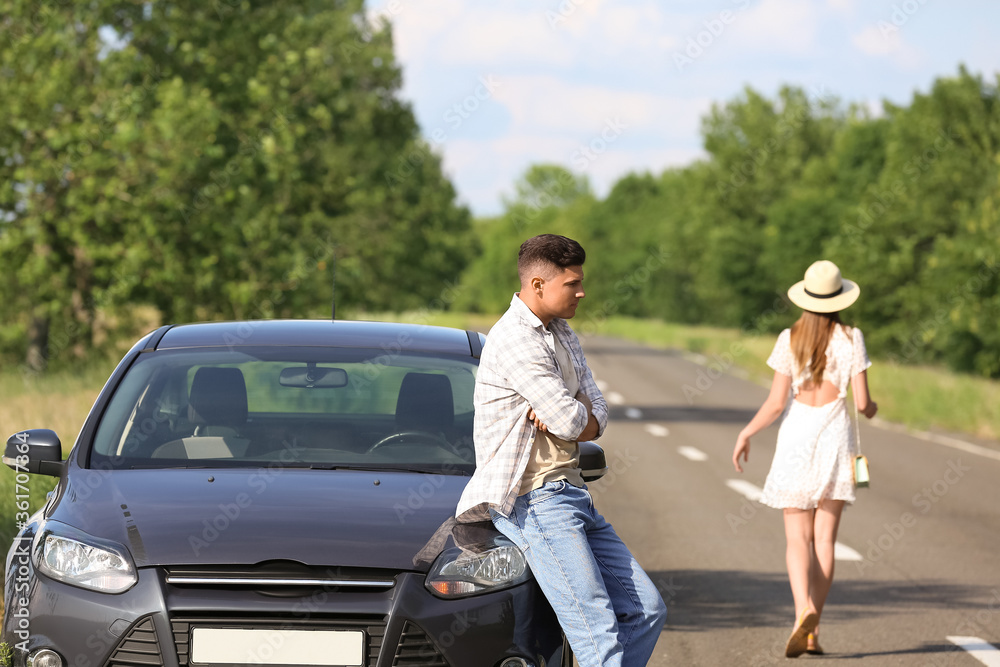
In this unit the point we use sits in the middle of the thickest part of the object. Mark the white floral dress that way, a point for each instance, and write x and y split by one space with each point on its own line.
813 457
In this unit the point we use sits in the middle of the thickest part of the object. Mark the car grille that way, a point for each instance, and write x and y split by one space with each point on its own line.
138 648
281 577
416 648
373 626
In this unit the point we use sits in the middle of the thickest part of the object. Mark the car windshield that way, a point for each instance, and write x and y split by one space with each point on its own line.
293 407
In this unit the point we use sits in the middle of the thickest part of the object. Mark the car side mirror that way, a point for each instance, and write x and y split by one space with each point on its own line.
36 450
593 463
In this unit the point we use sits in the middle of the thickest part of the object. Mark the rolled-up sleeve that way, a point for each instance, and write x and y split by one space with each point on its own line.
600 406
587 384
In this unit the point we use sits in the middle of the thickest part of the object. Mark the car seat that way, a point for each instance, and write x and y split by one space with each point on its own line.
217 405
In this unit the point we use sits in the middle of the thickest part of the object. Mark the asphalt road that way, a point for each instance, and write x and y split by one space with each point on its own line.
925 538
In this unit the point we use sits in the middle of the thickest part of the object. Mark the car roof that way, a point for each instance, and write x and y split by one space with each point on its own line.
390 336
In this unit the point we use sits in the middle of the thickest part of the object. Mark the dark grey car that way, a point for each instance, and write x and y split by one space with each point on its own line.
273 493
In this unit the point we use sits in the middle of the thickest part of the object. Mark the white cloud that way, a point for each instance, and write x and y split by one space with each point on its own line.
457 32
546 103
885 40
620 28
875 107
490 36
843 6
603 60
778 26
415 29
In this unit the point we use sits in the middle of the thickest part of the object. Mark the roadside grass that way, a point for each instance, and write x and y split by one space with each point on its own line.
920 397
59 401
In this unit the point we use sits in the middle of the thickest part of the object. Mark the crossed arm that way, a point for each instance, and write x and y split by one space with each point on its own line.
590 431
552 408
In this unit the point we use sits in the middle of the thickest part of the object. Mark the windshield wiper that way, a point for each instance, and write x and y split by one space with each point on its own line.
436 470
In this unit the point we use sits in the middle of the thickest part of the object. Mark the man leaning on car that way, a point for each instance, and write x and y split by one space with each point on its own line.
535 399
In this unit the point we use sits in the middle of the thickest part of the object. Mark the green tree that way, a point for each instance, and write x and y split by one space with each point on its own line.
760 151
282 127
548 199
940 163
215 161
58 188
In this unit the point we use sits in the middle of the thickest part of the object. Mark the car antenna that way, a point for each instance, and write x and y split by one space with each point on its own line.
333 286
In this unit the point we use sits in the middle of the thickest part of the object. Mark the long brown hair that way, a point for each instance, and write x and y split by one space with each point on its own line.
810 336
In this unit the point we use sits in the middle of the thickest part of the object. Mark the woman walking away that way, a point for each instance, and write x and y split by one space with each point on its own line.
811 476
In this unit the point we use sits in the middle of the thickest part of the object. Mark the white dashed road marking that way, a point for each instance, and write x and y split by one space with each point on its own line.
657 430
980 649
615 398
692 454
753 494
745 489
633 413
844 552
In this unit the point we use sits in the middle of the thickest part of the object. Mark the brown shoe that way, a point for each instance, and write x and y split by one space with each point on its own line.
812 645
798 640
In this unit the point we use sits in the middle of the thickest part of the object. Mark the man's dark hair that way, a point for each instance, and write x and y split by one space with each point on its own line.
539 254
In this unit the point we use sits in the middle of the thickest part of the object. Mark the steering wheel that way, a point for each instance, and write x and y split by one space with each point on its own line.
424 436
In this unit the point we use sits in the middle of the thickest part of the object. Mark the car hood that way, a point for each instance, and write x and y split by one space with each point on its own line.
240 516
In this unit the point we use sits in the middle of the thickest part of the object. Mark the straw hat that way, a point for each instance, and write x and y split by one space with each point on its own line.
824 290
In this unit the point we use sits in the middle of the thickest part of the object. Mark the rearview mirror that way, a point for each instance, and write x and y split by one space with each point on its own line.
593 463
313 377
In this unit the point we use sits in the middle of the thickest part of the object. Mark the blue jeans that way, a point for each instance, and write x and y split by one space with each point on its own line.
609 609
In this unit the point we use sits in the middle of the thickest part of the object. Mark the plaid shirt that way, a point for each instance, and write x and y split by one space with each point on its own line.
518 372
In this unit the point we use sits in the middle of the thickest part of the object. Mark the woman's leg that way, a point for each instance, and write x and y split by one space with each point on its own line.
799 556
825 526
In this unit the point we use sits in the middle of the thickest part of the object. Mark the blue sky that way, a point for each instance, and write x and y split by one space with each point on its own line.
606 87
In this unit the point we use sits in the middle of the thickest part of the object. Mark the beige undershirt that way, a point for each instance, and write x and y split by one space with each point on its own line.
553 458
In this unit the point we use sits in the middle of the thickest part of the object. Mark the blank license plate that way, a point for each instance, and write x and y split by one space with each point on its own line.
277 647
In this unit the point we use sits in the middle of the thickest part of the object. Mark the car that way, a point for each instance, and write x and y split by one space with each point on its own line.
274 493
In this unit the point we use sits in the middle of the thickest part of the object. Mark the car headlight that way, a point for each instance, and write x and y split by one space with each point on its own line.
461 572
80 560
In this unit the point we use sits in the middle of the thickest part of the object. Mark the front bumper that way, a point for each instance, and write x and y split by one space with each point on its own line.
151 624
